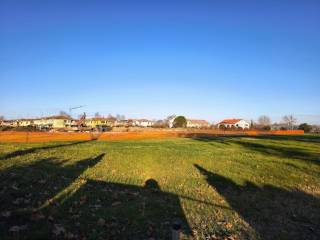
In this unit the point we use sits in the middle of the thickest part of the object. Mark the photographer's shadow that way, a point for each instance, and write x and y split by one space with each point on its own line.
121 211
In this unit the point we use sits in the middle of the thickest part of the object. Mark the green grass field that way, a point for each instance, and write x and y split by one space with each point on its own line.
221 188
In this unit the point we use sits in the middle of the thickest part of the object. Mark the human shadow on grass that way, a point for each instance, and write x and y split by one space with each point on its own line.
24 189
120 211
273 212
50 200
33 150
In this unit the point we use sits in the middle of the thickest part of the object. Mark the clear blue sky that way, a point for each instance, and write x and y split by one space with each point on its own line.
203 59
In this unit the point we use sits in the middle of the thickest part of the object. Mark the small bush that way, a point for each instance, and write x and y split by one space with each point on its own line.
305 126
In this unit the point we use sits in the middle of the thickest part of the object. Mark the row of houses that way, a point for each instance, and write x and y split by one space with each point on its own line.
66 122
59 121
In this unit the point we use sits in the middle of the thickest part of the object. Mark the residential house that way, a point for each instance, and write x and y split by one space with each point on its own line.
141 122
234 123
55 122
25 122
10 123
100 122
193 123
7 123
122 123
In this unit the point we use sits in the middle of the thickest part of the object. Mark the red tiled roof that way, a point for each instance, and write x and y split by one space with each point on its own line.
103 119
58 117
140 120
231 121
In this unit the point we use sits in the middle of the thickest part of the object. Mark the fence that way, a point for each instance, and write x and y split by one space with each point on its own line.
12 136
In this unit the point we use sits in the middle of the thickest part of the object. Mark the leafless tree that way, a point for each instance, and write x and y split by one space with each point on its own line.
1 118
120 117
97 114
289 120
264 121
170 117
160 124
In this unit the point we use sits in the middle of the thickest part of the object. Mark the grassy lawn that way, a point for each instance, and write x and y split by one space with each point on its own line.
221 188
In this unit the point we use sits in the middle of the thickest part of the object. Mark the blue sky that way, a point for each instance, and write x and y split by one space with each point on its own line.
202 59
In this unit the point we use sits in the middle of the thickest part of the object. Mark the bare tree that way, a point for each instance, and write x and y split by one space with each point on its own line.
289 120
120 117
252 124
1 118
170 117
97 114
264 121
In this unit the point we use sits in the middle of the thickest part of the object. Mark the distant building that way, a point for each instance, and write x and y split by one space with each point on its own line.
56 122
193 123
123 123
8 123
141 122
25 122
100 122
234 123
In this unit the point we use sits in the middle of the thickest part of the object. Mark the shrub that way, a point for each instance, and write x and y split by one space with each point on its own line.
222 127
267 128
305 126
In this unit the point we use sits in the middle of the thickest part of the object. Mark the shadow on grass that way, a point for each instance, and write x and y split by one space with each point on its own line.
32 150
213 139
300 138
23 189
281 151
121 211
274 213
50 200
267 149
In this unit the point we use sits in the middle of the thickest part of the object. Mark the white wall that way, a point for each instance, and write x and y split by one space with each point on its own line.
243 124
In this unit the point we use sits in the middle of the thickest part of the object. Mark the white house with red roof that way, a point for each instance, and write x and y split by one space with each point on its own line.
234 123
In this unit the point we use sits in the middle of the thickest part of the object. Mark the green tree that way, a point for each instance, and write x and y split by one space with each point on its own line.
222 127
305 126
180 122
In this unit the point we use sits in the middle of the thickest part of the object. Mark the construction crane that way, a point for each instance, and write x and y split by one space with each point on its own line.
82 118
72 108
